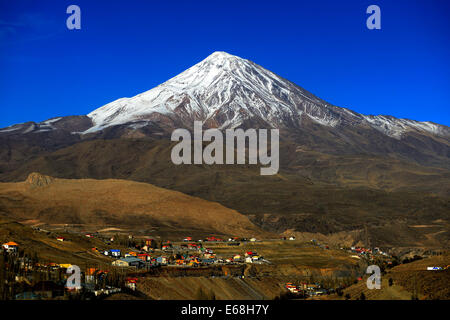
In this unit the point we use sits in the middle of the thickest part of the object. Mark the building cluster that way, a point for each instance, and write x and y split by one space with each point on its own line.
306 289
368 253
188 253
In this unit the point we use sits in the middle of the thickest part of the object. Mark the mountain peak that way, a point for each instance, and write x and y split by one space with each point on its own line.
220 55
220 62
227 91
221 85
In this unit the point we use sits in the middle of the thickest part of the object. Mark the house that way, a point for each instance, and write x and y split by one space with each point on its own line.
161 260
292 288
320 292
213 239
115 252
131 283
207 261
292 238
144 257
434 268
252 239
88 235
52 265
195 261
187 239
248 260
129 262
131 254
312 286
10 246
180 262
90 275
60 239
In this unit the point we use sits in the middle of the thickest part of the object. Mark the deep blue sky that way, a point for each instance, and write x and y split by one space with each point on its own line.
127 47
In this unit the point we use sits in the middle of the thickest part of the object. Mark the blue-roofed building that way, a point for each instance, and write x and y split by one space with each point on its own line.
115 252
129 262
207 261
161 260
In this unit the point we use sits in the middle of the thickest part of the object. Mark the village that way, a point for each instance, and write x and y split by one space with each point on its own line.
191 254
126 259
49 280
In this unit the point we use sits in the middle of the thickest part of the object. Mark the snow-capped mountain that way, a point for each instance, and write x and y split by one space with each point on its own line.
336 165
224 91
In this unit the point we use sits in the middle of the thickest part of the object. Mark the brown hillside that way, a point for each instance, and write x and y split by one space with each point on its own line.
117 203
314 192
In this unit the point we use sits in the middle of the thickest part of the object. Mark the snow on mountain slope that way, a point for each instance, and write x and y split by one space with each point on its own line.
222 84
226 90
394 127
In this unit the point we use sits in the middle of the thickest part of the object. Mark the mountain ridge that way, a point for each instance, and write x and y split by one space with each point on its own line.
214 89
362 170
224 91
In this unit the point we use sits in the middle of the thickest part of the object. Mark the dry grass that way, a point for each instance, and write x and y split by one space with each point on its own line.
76 250
223 288
408 280
301 254
119 203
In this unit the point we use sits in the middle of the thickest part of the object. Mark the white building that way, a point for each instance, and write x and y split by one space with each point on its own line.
10 246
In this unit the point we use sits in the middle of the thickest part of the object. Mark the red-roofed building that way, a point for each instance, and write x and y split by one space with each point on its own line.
10 246
144 257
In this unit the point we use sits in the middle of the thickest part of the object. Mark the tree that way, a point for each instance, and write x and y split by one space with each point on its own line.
347 296
391 282
362 296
